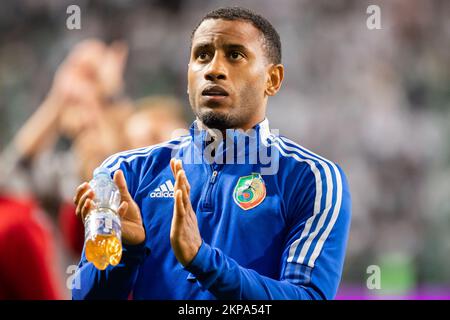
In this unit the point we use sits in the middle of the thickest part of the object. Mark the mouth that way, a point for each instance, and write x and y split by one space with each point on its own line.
214 92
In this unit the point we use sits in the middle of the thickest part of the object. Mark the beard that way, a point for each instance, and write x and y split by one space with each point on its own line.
218 120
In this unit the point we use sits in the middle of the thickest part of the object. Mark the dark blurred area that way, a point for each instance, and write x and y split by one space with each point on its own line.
377 102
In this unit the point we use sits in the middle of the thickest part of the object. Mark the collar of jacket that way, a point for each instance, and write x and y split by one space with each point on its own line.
236 146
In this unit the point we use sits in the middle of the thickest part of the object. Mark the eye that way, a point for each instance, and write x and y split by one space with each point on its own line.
202 56
236 55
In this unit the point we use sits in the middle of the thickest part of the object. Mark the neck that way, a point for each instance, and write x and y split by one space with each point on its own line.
244 127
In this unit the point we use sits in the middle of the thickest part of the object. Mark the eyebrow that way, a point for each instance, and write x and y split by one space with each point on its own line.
237 47
204 45
231 46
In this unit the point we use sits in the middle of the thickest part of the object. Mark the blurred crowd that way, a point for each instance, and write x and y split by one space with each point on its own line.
374 101
84 118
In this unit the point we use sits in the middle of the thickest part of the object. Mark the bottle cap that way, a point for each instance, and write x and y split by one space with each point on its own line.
101 170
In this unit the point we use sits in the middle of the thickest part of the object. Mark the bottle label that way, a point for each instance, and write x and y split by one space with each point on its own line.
102 222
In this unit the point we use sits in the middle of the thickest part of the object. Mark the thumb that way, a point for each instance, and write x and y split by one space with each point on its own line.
121 183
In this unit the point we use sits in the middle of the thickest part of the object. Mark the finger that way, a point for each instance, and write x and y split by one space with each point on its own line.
186 183
188 203
186 200
89 194
179 181
181 178
172 167
177 185
121 183
179 165
180 210
86 208
122 209
185 194
79 192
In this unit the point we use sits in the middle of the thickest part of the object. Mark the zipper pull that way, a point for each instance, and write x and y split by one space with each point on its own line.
213 177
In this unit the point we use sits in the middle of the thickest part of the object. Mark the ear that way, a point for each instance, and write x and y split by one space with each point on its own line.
275 75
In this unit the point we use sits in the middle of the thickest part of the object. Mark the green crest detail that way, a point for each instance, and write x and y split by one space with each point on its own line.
249 191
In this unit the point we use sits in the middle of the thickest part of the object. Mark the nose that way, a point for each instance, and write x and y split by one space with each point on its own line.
216 69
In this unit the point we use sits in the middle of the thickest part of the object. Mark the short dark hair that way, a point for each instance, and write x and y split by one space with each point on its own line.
272 40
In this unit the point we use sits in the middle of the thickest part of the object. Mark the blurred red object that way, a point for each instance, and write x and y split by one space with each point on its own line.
72 228
26 252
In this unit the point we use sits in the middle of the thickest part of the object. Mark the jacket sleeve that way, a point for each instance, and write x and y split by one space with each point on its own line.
115 282
313 257
112 283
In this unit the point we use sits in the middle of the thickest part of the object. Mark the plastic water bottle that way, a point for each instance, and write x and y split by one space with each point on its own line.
103 245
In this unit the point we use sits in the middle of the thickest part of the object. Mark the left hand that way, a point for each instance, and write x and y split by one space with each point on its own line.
184 233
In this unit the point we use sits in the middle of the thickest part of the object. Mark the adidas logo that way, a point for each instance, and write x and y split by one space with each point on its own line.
163 191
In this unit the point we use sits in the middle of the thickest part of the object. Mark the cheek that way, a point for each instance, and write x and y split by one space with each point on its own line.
194 68
254 85
193 75
192 88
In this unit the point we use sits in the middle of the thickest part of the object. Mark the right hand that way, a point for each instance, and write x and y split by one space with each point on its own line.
133 231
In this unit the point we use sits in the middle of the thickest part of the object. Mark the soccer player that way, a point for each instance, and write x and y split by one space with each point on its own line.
201 219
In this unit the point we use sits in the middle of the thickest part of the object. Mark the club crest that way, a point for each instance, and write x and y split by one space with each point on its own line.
250 191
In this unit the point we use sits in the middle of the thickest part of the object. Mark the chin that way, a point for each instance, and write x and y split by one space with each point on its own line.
214 105
215 119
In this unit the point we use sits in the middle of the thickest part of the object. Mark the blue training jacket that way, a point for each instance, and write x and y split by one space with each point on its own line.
274 220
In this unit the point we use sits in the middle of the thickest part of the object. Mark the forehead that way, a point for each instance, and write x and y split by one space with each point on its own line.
227 31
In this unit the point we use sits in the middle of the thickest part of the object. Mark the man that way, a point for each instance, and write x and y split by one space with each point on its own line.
236 229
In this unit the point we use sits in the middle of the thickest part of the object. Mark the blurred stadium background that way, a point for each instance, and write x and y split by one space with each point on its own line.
375 101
